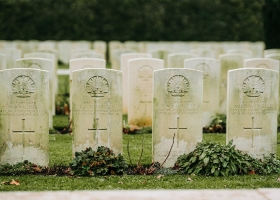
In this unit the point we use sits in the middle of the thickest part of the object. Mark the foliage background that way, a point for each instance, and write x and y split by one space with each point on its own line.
140 20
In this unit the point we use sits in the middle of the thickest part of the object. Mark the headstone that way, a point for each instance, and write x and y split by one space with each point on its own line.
54 81
83 44
176 60
270 51
12 55
211 81
3 64
116 57
228 62
247 52
252 111
63 48
124 68
46 65
275 56
131 45
264 63
49 44
24 131
140 83
100 47
161 54
87 54
114 45
80 50
83 63
97 109
177 113
204 53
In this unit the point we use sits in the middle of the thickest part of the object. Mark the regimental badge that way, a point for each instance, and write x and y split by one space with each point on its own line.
178 86
253 86
145 73
204 68
97 86
23 86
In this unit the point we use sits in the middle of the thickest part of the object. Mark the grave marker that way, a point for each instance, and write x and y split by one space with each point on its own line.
177 113
3 64
97 109
176 60
252 110
24 115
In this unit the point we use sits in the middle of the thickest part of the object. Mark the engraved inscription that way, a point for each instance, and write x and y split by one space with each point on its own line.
178 86
23 86
145 73
253 86
205 68
97 86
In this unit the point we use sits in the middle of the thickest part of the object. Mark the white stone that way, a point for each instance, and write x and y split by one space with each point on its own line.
140 93
42 64
161 54
211 81
24 116
124 68
87 54
12 55
228 62
204 53
252 110
63 48
131 45
82 44
176 60
97 109
49 44
100 47
80 50
116 57
177 113
270 51
114 45
3 63
247 52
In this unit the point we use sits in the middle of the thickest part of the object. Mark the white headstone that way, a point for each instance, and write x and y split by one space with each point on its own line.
177 113
228 62
124 68
211 82
63 48
12 55
87 54
140 83
100 47
252 110
116 57
204 53
24 115
247 52
3 63
270 51
176 60
161 54
114 45
49 44
42 64
97 109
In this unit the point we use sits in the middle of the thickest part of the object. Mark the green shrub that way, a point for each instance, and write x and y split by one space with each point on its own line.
213 159
100 162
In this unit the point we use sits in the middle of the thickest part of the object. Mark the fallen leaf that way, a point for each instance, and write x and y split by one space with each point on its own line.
192 174
120 182
189 179
278 179
5 183
252 172
14 182
159 176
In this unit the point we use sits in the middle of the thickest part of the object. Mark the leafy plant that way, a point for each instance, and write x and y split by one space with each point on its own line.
100 162
214 159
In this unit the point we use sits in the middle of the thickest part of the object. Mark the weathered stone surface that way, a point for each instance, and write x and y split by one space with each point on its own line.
12 54
3 63
97 109
42 64
252 110
140 83
124 68
228 62
176 60
177 113
247 52
100 47
116 57
24 116
270 51
204 53
161 54
88 54
211 81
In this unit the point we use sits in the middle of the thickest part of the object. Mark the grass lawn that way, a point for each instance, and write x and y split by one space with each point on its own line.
60 153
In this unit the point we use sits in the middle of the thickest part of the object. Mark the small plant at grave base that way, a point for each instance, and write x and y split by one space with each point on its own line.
100 162
218 125
213 159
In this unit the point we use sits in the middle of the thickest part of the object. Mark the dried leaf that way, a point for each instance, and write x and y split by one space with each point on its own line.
5 183
252 172
120 182
278 179
159 176
14 182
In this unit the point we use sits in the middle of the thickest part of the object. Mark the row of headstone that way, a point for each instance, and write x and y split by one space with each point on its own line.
177 103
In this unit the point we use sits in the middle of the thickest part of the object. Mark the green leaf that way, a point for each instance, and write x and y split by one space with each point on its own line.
206 161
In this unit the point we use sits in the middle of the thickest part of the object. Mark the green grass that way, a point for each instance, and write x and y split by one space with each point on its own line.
60 153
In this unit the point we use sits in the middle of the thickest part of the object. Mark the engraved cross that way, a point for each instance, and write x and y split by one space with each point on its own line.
177 128
97 129
145 102
252 130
